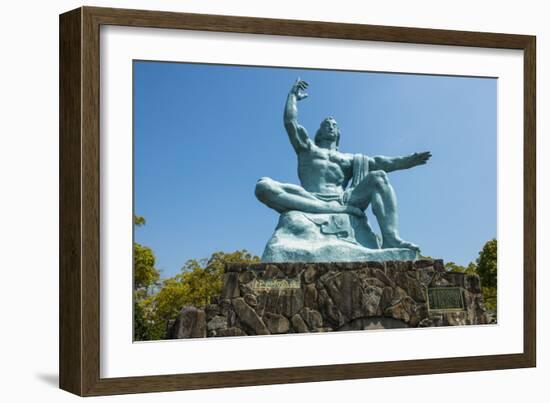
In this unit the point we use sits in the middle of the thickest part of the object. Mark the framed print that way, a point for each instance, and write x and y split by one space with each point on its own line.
249 201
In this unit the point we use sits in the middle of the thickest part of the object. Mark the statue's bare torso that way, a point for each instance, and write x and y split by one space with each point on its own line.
324 171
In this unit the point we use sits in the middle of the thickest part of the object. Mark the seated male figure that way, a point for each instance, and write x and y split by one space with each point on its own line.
336 182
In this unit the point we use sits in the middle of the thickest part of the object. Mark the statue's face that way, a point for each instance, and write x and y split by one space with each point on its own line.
329 129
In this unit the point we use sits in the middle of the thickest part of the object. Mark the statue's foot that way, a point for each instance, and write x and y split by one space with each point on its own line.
396 242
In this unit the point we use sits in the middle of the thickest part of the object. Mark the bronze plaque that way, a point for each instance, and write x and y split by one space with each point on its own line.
445 299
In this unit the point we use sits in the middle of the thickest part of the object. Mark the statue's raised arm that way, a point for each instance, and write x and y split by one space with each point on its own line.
296 133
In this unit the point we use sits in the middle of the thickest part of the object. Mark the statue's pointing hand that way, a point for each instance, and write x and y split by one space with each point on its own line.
420 158
299 88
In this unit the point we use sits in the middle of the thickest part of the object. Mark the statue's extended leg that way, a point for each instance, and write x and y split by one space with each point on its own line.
376 189
285 197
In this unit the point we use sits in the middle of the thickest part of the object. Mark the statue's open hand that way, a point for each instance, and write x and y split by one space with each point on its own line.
419 158
299 88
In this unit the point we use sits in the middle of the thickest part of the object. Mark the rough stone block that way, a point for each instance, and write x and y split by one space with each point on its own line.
249 317
191 323
316 297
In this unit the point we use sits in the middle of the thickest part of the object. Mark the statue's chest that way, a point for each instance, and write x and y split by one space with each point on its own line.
329 156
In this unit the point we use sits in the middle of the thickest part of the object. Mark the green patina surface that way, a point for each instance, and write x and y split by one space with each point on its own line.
335 190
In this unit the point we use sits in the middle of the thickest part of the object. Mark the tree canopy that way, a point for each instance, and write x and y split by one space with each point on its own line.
487 264
198 281
158 302
146 274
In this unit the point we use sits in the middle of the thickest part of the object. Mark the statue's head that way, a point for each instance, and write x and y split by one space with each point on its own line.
328 131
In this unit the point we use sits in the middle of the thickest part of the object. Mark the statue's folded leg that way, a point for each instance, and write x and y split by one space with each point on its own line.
286 196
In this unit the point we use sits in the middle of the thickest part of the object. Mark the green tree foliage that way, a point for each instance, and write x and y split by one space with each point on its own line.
196 284
490 299
487 271
139 220
145 323
146 275
487 264
146 280
471 269
198 281
455 268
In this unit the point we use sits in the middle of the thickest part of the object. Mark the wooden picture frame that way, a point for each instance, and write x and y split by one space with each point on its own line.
79 346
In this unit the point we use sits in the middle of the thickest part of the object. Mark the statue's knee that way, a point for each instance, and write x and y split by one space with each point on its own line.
264 188
380 178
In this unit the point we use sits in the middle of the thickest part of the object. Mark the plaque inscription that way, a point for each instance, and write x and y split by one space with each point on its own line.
445 299
276 284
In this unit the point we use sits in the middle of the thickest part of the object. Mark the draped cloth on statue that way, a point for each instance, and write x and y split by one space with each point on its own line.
360 169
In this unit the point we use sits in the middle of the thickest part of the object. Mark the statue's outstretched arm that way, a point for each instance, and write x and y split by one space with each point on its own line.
296 133
389 164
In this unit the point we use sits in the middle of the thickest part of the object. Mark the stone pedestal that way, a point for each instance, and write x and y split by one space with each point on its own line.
278 298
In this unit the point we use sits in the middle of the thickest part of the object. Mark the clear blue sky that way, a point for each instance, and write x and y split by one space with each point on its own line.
204 134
